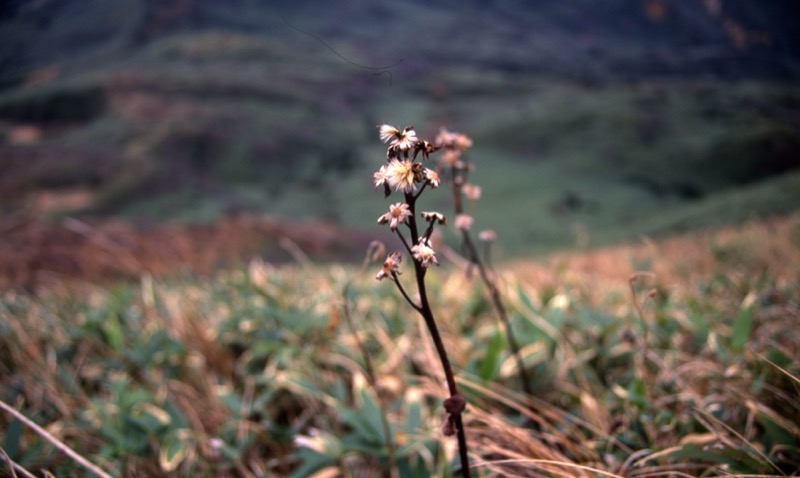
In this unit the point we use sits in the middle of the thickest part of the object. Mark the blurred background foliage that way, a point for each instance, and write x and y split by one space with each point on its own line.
595 122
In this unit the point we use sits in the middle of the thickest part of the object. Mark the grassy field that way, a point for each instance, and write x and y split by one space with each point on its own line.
657 358
157 174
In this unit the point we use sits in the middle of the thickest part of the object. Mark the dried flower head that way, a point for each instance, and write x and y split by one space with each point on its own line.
432 216
451 157
388 132
380 177
403 140
462 142
424 253
425 148
458 141
464 222
487 235
398 212
376 250
432 177
401 174
471 191
391 266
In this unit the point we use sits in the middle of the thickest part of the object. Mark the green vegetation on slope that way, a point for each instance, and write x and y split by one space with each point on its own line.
256 371
196 122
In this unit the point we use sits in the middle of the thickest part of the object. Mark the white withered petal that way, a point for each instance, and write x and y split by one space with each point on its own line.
398 212
424 253
390 266
432 216
401 175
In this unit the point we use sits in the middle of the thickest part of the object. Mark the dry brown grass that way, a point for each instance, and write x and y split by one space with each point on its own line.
37 253
678 262
58 355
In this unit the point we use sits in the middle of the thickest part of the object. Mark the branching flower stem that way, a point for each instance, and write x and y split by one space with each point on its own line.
403 173
405 243
430 322
404 293
411 200
415 196
425 310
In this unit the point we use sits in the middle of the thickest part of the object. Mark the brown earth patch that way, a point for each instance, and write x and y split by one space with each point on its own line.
36 253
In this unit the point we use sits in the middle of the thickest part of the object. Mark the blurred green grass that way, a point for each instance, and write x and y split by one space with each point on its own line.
560 164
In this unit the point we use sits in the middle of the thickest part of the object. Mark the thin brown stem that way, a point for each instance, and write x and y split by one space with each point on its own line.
422 188
456 187
430 322
403 240
411 200
91 467
13 466
425 310
458 179
494 293
402 290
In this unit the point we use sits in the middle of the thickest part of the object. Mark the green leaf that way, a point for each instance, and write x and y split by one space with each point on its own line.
310 462
637 394
742 326
523 297
693 453
173 451
361 426
113 333
778 433
738 460
13 436
413 417
372 414
490 364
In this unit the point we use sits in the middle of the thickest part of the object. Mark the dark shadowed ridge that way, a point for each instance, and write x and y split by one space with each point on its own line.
730 39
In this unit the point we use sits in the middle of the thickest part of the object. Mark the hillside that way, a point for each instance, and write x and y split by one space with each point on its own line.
610 121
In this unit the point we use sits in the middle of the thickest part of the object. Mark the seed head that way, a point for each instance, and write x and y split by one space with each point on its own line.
464 222
450 140
471 191
402 140
401 174
397 215
487 235
432 216
391 266
424 253
432 177
379 177
425 148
